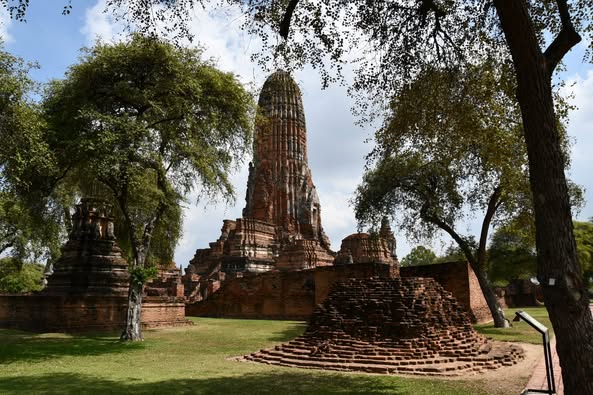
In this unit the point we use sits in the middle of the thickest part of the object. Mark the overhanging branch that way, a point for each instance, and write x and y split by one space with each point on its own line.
449 229
285 24
564 41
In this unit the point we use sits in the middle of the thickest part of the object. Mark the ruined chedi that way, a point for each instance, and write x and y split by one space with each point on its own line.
281 224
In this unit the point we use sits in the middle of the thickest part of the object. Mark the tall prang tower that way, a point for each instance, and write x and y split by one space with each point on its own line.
280 188
281 224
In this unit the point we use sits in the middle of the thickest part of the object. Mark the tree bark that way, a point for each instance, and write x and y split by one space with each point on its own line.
133 329
496 311
559 271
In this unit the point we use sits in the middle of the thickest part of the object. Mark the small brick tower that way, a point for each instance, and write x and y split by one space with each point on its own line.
91 261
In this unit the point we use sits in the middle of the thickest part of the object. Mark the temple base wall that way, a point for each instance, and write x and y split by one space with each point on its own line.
281 295
459 279
84 313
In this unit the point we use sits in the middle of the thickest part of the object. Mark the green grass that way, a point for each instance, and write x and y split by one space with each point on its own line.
190 360
521 331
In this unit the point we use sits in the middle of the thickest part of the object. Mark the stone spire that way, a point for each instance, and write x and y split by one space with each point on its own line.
280 188
281 227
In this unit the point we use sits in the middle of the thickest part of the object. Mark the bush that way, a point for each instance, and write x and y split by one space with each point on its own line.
19 277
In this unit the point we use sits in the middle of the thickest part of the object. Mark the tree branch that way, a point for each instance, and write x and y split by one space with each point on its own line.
447 228
564 41
493 205
285 24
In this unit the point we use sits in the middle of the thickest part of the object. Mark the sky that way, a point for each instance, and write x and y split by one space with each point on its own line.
336 146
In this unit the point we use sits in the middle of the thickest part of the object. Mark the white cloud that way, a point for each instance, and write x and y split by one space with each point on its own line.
579 128
5 23
100 25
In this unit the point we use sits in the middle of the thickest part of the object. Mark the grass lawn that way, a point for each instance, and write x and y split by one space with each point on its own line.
190 360
521 331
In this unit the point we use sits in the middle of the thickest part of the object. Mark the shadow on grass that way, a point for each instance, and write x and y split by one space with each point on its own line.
264 383
29 347
295 330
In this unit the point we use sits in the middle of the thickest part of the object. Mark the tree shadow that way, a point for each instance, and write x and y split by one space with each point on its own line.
29 347
287 382
294 330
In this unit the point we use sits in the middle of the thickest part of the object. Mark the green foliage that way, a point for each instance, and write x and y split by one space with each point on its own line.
454 253
583 234
16 277
148 123
141 275
30 217
511 254
419 256
452 142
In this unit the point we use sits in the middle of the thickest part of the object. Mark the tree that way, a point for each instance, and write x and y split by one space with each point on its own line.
419 256
511 254
452 144
148 122
16 277
29 225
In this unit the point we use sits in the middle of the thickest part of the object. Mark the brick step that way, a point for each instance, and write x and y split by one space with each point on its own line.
445 368
352 352
391 361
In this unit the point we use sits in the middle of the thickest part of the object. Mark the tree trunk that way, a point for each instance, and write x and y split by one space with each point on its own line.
133 329
476 263
559 271
498 316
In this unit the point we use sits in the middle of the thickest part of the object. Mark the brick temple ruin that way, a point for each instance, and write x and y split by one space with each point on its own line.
276 262
281 224
280 230
398 325
88 290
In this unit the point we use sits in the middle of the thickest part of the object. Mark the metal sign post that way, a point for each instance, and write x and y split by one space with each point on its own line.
535 324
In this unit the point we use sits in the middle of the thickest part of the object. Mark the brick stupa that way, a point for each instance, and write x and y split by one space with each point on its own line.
91 261
398 325
281 224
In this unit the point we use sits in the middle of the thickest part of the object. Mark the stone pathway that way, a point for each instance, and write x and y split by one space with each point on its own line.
539 380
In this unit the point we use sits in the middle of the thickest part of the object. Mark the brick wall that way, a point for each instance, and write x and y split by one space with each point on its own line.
83 313
459 279
281 295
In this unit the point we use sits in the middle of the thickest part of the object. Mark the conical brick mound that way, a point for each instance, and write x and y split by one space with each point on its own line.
402 325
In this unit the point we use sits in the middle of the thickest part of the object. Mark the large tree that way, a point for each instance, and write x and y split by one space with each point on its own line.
452 145
149 122
29 221
419 256
511 254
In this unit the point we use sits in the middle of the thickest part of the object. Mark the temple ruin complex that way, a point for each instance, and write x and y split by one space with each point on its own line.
281 224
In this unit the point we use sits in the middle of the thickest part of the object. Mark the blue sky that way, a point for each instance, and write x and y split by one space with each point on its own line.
336 149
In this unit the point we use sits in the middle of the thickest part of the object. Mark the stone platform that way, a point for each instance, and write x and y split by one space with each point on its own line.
403 326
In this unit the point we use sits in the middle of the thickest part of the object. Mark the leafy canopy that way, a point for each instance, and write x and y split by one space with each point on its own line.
453 142
419 256
511 254
30 217
147 123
